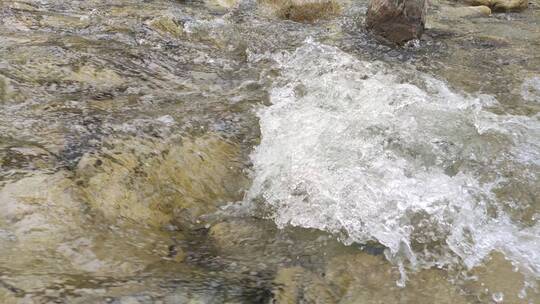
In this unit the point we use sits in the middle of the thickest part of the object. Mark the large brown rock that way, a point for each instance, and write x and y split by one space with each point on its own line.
397 20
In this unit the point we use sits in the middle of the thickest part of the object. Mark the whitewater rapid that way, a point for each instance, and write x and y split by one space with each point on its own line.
372 153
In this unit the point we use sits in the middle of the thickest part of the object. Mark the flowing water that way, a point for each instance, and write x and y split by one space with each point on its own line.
215 152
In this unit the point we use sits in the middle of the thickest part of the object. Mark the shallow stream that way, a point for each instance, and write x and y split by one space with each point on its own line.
213 152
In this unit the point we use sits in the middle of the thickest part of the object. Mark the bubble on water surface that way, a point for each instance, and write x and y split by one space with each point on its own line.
372 153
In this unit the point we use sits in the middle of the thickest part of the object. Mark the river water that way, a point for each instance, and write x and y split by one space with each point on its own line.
214 152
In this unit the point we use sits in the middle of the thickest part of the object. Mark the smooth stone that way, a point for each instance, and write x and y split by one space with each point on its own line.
154 183
301 10
364 278
397 21
508 5
467 12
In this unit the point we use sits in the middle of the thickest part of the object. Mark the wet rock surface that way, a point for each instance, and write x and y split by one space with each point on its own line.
467 12
297 285
397 20
508 5
162 183
363 278
501 5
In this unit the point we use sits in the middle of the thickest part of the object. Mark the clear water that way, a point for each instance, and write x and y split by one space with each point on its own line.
187 152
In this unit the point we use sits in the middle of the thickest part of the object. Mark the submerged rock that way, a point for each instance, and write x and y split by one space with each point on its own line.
508 5
3 89
364 278
466 12
302 10
530 89
44 224
499 278
154 183
222 3
298 285
397 20
249 241
7 93
477 2
500 5
8 297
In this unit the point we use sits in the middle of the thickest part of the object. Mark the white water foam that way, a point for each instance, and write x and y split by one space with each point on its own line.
356 149
530 90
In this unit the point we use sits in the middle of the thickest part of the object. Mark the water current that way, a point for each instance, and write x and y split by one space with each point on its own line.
220 152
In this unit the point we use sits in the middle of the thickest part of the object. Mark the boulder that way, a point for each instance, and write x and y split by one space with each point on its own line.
397 21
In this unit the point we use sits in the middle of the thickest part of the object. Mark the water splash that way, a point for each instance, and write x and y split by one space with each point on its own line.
530 90
370 152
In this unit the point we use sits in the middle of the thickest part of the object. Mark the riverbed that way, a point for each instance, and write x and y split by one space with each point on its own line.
219 152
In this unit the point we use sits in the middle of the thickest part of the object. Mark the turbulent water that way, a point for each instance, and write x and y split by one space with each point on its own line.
355 147
218 152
